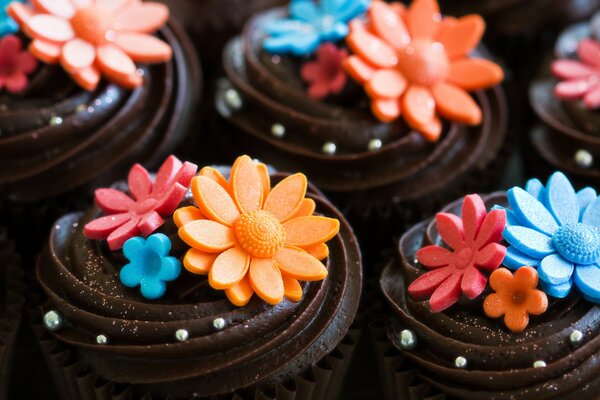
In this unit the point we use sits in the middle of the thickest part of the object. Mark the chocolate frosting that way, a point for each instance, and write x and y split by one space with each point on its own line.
101 132
500 363
260 344
272 92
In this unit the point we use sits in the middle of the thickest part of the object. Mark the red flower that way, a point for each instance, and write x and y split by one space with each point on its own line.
145 212
15 64
325 75
474 241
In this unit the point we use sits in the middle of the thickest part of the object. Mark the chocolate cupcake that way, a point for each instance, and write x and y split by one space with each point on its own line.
456 345
302 113
261 317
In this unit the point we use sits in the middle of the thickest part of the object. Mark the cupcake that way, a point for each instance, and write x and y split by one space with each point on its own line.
397 145
496 298
565 98
246 287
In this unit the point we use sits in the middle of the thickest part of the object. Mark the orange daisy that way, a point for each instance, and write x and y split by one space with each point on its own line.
415 63
249 238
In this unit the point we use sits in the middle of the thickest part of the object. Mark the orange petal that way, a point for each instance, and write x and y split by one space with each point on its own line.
115 6
286 197
358 69
537 302
418 106
127 82
372 49
307 208
460 36
198 262
266 280
386 110
246 185
320 251
526 277
240 293
214 201
263 171
494 306
183 215
309 231
229 268
207 235
300 265
144 48
60 8
501 280
77 54
215 175
20 13
431 131
292 289
423 19
516 319
387 23
475 74
143 17
44 51
49 27
87 78
455 104
114 62
387 84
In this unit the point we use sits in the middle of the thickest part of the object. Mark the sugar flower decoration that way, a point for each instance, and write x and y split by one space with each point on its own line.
325 75
516 297
415 63
91 38
474 248
311 23
15 64
150 265
144 209
580 78
557 231
7 24
249 238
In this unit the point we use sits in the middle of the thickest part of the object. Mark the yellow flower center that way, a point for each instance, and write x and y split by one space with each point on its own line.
259 233
94 25
423 62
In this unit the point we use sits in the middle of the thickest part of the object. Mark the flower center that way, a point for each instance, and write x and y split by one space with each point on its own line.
464 258
94 25
423 62
578 243
519 297
259 233
152 263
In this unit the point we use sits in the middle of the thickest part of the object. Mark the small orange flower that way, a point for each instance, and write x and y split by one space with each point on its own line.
516 297
251 239
414 62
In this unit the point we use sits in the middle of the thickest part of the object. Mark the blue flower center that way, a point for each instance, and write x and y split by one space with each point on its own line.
578 243
152 263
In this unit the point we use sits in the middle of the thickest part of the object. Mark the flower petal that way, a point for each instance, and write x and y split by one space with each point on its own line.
87 78
130 275
170 269
516 319
307 208
165 177
145 17
139 182
529 210
187 214
431 130
286 197
214 201
447 294
387 84
112 201
571 69
216 176
144 48
537 302
490 257
150 222
473 215
386 110
555 270
461 36
562 199
114 6
229 268
491 229
100 228
246 185
152 289
591 215
119 236
16 83
305 10
198 262
501 280
450 227
207 235
387 23
344 10
20 12
297 43
114 62
573 89
434 256
587 280
59 8
265 278
134 248
77 54
455 104
494 305
26 62
526 278
292 289
592 98
309 231
240 293
423 19
424 286
358 69
473 282
475 73
263 171
528 241
589 52
371 49
320 251
298 264
418 106
50 27
45 51
585 197
536 188
559 291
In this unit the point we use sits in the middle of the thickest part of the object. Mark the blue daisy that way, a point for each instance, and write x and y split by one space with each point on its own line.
7 24
310 24
556 230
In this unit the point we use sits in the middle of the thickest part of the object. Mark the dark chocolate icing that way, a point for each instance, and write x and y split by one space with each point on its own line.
260 344
101 132
500 363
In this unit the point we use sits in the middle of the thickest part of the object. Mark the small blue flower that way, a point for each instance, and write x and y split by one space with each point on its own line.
7 24
310 24
150 265
557 231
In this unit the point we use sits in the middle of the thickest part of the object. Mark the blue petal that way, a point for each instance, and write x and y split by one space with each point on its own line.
296 44
153 289
159 243
134 248
559 291
514 259
555 270
529 210
7 26
337 32
282 27
305 10
587 280
170 269
585 197
130 275
536 188
529 241
591 216
562 200
511 218
345 10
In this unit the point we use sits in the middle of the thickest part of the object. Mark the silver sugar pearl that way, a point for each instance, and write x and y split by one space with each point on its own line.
101 339
408 339
233 99
278 130
539 364
460 362
329 148
219 323
55 120
584 158
182 335
53 320
576 337
375 144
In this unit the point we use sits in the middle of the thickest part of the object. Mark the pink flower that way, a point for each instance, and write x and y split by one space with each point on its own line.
127 217
325 75
15 64
581 79
474 242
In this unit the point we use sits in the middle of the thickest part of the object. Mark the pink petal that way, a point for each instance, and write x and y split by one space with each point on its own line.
49 27
113 61
150 223
490 257
571 69
166 174
338 83
473 282
139 182
186 173
2 82
171 200
318 90
571 90
447 294
60 8
143 17
112 201
118 237
77 54
450 228
100 228
144 48
434 256
592 98
26 62
311 71
424 286
473 214
491 229
589 52
114 6
10 46
16 82
388 24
